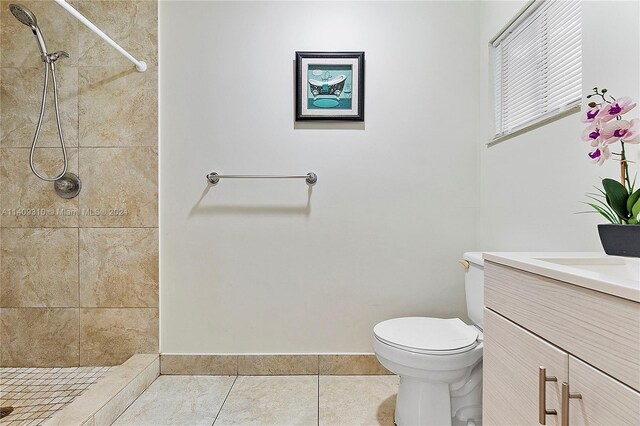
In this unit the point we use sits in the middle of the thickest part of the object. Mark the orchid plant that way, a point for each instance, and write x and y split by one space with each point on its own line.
617 201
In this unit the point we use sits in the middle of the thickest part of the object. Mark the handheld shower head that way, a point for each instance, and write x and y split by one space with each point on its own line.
65 184
24 15
27 17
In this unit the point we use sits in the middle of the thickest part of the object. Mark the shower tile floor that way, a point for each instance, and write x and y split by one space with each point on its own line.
36 394
265 400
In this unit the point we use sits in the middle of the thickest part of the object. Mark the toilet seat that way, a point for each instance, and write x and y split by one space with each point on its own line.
425 335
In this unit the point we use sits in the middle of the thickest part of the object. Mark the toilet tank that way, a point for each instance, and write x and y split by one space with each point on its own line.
474 287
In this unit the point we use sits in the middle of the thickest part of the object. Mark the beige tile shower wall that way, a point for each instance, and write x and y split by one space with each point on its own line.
79 278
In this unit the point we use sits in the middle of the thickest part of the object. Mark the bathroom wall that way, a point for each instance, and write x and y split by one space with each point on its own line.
79 277
277 267
533 184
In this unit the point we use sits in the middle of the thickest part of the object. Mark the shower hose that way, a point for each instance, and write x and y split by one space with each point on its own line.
49 66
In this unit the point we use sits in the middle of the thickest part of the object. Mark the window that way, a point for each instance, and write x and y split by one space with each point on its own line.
537 65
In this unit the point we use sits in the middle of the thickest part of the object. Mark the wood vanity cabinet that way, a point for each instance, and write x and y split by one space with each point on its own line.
558 354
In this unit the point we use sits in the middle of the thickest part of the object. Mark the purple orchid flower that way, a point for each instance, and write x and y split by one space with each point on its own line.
616 108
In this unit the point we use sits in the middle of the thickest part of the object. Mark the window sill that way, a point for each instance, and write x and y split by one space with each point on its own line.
535 125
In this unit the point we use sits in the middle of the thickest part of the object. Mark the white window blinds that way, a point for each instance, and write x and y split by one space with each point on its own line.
537 65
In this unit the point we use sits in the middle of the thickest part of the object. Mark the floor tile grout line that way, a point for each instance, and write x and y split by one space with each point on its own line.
318 418
225 400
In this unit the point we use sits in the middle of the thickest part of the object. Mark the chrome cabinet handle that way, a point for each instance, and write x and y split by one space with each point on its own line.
542 396
566 396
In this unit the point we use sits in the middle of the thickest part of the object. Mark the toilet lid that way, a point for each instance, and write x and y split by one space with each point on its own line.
429 335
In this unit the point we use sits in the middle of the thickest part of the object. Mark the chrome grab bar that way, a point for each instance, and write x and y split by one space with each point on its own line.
311 178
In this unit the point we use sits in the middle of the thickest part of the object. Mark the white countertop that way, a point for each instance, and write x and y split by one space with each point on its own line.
617 276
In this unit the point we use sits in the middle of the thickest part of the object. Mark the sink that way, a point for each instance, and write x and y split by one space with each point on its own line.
619 268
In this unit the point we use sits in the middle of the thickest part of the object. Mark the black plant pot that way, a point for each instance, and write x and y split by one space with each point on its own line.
620 240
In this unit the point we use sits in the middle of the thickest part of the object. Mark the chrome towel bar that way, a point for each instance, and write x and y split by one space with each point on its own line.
311 178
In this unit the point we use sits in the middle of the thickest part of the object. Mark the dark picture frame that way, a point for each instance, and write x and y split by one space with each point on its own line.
329 86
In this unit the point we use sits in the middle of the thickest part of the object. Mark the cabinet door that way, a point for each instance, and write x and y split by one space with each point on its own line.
598 328
512 360
604 400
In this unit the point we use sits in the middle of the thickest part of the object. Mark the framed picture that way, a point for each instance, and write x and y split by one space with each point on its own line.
330 86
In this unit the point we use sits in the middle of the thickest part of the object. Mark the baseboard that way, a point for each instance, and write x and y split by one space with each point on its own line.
271 365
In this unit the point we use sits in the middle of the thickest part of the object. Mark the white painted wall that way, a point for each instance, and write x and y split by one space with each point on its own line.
533 184
268 267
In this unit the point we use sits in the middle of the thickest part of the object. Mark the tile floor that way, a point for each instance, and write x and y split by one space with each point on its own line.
35 394
265 400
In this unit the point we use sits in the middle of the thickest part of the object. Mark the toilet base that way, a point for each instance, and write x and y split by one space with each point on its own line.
427 403
422 403
435 389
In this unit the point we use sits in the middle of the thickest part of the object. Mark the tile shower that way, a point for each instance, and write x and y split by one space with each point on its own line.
79 277
36 394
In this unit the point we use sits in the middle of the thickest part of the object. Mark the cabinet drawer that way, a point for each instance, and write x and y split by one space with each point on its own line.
604 401
601 329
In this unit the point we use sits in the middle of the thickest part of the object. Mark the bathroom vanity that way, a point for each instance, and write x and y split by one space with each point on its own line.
562 339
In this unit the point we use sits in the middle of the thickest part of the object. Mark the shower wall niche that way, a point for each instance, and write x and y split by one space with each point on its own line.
79 277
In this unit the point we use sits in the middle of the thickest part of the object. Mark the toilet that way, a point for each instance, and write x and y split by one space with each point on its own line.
439 360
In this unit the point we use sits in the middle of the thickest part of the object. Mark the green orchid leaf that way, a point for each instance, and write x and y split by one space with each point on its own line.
600 194
605 207
604 194
635 210
617 196
603 213
600 200
633 199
